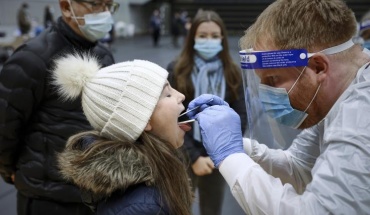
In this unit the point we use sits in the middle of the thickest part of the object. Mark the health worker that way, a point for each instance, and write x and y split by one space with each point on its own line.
301 70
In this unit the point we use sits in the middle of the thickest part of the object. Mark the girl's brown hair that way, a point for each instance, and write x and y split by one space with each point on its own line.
149 160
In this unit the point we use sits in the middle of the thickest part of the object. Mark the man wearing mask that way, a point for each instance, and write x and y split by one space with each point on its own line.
35 122
303 69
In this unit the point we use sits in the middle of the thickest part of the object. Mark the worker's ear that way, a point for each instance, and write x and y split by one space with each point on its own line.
319 63
65 8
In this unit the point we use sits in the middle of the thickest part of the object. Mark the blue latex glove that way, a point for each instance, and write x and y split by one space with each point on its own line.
221 132
203 101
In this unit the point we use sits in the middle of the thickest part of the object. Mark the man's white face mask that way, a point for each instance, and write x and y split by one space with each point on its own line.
97 25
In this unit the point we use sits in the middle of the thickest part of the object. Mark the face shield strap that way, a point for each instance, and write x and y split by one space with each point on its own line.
250 59
335 49
328 51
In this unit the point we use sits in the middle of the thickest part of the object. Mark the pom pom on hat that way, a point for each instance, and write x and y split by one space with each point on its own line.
117 100
71 72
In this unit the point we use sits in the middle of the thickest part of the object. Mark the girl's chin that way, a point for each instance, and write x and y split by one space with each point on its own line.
179 143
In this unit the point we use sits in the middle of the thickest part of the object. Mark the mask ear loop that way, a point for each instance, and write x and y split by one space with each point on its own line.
313 98
328 51
296 81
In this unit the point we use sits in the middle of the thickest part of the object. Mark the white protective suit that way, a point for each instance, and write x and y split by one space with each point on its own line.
325 171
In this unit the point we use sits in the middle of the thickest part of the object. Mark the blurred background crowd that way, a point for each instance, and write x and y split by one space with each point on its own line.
154 30
21 20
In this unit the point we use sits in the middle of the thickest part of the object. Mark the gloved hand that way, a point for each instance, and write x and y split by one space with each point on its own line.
204 101
221 132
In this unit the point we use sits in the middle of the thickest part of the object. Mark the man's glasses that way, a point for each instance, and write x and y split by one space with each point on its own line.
100 6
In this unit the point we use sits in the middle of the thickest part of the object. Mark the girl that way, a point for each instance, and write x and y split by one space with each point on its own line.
205 66
128 164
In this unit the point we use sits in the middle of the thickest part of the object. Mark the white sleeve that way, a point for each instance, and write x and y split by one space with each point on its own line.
247 145
338 186
256 191
336 152
292 166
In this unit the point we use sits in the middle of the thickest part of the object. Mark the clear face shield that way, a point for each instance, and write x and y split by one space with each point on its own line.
262 123
271 118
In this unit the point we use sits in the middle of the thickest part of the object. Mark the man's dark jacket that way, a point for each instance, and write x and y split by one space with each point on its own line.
35 122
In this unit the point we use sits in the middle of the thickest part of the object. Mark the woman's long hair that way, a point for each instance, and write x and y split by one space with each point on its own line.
185 62
158 164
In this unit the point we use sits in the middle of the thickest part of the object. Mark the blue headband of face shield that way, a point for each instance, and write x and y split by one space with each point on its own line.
251 59
276 101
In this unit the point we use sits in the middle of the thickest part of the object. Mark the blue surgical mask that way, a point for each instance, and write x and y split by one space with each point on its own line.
277 105
207 48
97 25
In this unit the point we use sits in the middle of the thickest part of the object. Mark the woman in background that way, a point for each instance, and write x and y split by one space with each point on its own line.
205 66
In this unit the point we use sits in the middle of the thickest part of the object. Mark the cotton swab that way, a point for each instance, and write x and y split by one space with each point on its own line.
194 108
186 121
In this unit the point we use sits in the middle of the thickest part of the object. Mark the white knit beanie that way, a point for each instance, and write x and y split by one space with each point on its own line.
117 100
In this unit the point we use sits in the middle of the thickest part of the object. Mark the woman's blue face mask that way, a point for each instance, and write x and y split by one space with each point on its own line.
207 48
277 105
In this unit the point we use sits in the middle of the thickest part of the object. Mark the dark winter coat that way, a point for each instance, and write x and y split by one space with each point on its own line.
34 121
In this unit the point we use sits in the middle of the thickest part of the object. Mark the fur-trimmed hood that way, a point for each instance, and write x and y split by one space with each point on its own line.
103 167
